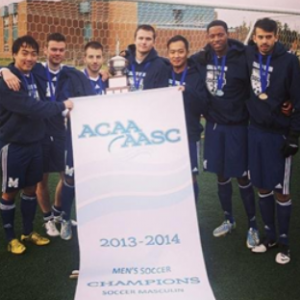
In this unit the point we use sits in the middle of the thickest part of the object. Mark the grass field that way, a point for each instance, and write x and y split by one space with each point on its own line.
234 272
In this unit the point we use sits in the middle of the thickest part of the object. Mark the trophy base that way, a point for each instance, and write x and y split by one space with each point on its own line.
117 90
117 81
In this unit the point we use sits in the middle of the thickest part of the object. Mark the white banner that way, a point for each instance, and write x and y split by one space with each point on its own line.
137 223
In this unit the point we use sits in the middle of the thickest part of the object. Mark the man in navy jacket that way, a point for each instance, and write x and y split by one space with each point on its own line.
273 134
146 70
223 67
22 129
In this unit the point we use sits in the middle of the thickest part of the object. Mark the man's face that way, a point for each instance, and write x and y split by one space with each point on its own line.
217 38
25 59
178 54
144 41
264 40
55 52
93 59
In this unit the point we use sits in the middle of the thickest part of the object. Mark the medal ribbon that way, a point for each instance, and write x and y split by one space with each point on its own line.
220 76
52 93
183 76
137 80
264 75
99 81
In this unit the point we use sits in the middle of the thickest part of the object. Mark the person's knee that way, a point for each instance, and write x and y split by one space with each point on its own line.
264 192
30 191
9 196
282 198
243 181
69 181
223 179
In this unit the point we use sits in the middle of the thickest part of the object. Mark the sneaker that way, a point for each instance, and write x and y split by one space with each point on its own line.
35 238
224 228
74 223
264 246
15 247
252 238
66 230
284 256
51 229
58 219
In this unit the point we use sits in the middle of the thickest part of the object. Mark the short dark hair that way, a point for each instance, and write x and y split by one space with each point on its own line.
145 27
178 38
217 23
267 25
25 40
94 45
57 37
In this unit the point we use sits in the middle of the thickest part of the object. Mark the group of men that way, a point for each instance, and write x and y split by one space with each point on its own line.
249 96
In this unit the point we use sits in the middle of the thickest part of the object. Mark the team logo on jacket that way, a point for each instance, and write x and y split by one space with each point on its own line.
255 78
212 75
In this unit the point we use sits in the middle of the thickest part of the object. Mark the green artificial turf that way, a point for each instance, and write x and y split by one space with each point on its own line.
42 273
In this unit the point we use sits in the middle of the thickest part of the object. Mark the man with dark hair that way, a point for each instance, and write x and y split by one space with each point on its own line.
224 69
146 70
62 82
93 59
22 128
273 135
185 73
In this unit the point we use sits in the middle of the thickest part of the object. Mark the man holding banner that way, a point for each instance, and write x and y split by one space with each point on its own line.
185 73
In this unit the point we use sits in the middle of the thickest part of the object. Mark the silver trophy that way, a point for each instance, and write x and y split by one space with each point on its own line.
118 82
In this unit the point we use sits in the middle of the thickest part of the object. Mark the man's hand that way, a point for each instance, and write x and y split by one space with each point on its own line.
68 104
12 81
287 108
181 88
291 144
104 74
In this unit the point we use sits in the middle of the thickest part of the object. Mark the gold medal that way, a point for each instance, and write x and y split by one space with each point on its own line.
263 96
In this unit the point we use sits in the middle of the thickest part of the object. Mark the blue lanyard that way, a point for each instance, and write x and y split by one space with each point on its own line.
52 92
220 76
182 79
264 75
33 91
137 81
99 81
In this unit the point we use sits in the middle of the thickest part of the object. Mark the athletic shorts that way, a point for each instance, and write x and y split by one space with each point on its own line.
268 168
53 154
69 163
194 150
22 166
225 150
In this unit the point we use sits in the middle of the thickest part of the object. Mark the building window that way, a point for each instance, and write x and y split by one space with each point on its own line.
15 27
178 16
87 32
6 34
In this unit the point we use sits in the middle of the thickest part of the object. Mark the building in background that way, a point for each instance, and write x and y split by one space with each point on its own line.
106 21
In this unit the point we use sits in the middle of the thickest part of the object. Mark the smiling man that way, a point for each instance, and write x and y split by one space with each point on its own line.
60 82
22 130
273 135
93 59
185 73
146 69
223 67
